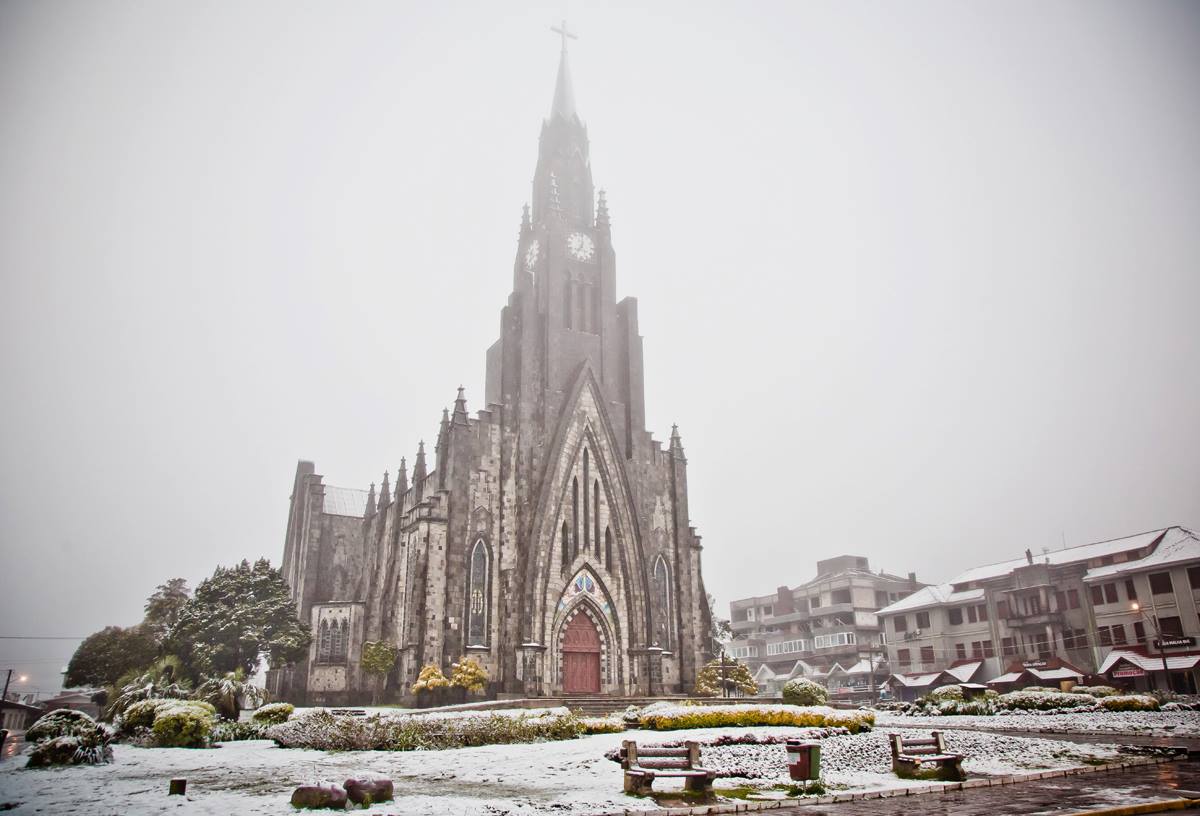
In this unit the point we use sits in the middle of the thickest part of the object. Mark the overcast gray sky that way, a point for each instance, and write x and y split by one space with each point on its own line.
918 281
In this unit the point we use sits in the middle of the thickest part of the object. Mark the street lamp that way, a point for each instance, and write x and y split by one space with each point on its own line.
1153 621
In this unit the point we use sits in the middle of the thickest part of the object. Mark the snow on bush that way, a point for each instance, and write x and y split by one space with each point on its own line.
66 737
603 725
430 678
184 724
139 715
1129 702
323 730
1095 691
668 717
803 692
273 713
1043 699
945 693
227 731
62 722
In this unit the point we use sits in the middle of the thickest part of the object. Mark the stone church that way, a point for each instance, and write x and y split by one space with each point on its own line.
550 537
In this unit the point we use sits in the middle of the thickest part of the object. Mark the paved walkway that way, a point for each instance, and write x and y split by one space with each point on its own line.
1060 795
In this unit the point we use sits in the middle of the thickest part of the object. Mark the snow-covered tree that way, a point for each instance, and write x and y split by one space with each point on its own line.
430 678
104 657
378 658
164 606
469 675
230 693
237 614
727 674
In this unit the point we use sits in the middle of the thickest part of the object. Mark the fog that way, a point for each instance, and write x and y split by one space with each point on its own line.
917 281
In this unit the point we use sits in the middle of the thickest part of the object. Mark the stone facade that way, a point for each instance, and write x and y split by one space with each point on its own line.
553 503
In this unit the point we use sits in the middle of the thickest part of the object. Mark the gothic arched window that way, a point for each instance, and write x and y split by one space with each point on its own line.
608 549
575 515
566 547
567 305
662 597
323 642
337 642
587 527
344 647
477 596
596 515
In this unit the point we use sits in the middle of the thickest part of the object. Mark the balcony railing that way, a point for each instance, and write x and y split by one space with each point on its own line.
1042 617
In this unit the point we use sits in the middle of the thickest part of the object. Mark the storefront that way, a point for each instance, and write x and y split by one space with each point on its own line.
1139 669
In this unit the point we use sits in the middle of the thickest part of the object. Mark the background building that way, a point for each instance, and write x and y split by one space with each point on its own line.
1060 615
826 625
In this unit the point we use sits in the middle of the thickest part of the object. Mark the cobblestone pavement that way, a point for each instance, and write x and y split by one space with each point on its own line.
1060 795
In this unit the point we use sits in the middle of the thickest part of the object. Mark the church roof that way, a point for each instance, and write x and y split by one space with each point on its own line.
345 501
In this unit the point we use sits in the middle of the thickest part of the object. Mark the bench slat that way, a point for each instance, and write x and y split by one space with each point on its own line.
662 752
664 764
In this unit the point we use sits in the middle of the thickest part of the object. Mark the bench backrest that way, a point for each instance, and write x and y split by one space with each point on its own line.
683 758
917 747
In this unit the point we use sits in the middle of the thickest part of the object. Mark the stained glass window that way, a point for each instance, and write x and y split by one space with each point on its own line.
477 607
662 591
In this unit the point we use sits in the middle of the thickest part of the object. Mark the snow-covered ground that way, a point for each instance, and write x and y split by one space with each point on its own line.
256 777
1145 723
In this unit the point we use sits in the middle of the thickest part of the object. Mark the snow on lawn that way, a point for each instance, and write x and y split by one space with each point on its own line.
256 777
1151 723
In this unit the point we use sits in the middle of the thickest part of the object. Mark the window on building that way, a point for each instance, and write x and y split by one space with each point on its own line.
768 611
926 654
566 546
955 613
1194 577
1160 583
881 599
977 648
1002 608
742 652
1110 593
477 594
972 614
1073 598
1105 635
922 620
608 554
983 613
1042 644
1171 627
1118 634
840 596
1139 632
1008 646
900 623
1097 595
960 650
904 657
1130 590
1060 601
662 595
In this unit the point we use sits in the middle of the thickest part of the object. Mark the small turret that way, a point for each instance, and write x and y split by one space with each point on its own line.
402 479
385 492
526 225
419 472
460 408
370 502
676 444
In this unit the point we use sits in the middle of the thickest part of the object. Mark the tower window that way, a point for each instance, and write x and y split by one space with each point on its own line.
596 515
587 509
567 287
566 547
608 555
662 593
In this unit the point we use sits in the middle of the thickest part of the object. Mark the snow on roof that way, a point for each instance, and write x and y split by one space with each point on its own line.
764 673
345 501
1082 552
965 671
1178 545
915 680
801 669
932 596
1179 661
1055 674
864 666
1011 677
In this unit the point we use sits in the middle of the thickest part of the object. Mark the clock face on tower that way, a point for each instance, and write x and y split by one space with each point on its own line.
580 246
532 254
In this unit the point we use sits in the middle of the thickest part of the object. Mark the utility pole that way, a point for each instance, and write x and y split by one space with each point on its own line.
7 679
1158 638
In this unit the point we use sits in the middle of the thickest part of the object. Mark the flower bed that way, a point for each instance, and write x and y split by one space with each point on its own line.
380 732
1153 723
669 717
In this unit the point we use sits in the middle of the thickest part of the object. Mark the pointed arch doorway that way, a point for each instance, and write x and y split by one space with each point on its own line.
581 656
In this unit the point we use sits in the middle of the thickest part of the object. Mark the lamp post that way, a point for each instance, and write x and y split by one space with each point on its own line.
1153 621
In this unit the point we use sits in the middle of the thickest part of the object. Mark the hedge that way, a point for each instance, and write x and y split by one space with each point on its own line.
668 717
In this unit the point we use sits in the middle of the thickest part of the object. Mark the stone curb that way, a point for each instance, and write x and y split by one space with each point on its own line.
917 790
1161 806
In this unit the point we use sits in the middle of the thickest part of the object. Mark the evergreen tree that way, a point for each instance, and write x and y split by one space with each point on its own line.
378 658
234 616
105 656
164 606
725 675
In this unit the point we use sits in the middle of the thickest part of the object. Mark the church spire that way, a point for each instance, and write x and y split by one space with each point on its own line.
460 408
419 467
385 494
564 92
402 479
370 502
602 221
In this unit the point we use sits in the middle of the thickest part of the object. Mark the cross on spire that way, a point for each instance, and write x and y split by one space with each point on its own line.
564 32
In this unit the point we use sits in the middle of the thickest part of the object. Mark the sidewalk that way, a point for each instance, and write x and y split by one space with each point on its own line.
1060 795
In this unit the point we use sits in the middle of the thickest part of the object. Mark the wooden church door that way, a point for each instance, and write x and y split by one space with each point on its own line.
581 656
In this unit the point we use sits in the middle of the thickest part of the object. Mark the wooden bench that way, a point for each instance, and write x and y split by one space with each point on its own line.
908 755
348 712
643 765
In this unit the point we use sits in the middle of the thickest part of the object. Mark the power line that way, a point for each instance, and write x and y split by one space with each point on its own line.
39 637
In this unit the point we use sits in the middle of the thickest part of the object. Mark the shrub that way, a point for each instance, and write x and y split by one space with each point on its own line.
323 730
75 749
1129 702
229 692
186 724
469 675
139 715
226 731
603 725
1095 691
430 678
62 722
1041 699
731 674
273 713
952 692
802 692
668 717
